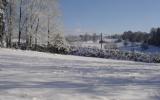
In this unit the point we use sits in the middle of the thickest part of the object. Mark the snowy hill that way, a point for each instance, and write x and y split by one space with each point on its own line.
28 75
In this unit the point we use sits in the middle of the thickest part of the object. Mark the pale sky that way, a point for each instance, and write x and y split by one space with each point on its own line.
109 16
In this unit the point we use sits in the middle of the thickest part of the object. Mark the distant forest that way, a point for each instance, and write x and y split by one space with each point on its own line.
151 38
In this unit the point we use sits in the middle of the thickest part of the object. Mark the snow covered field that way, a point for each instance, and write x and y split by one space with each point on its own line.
28 75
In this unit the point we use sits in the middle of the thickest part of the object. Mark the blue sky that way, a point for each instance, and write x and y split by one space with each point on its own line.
109 16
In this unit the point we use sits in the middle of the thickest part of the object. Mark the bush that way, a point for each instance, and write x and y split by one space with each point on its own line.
114 54
58 45
60 50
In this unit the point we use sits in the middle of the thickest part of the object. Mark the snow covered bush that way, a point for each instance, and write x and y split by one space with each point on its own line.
114 54
156 59
58 45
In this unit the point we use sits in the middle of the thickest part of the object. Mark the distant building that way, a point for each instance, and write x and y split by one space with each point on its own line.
2 10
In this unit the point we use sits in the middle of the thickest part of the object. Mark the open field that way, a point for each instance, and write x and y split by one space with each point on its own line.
29 75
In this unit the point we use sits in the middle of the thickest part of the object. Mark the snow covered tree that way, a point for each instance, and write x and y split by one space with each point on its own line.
53 27
10 21
2 24
34 22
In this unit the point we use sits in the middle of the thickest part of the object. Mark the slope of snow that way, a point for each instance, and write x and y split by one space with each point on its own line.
28 75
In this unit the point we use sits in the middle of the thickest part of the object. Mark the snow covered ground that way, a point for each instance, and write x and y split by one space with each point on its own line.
151 49
28 75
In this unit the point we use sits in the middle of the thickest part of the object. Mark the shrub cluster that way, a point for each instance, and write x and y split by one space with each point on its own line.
114 54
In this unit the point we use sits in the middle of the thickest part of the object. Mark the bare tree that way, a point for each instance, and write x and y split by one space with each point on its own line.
2 23
20 19
37 28
10 21
28 14
35 22
48 32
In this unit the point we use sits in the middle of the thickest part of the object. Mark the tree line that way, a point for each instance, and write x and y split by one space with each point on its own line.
32 23
83 37
151 38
